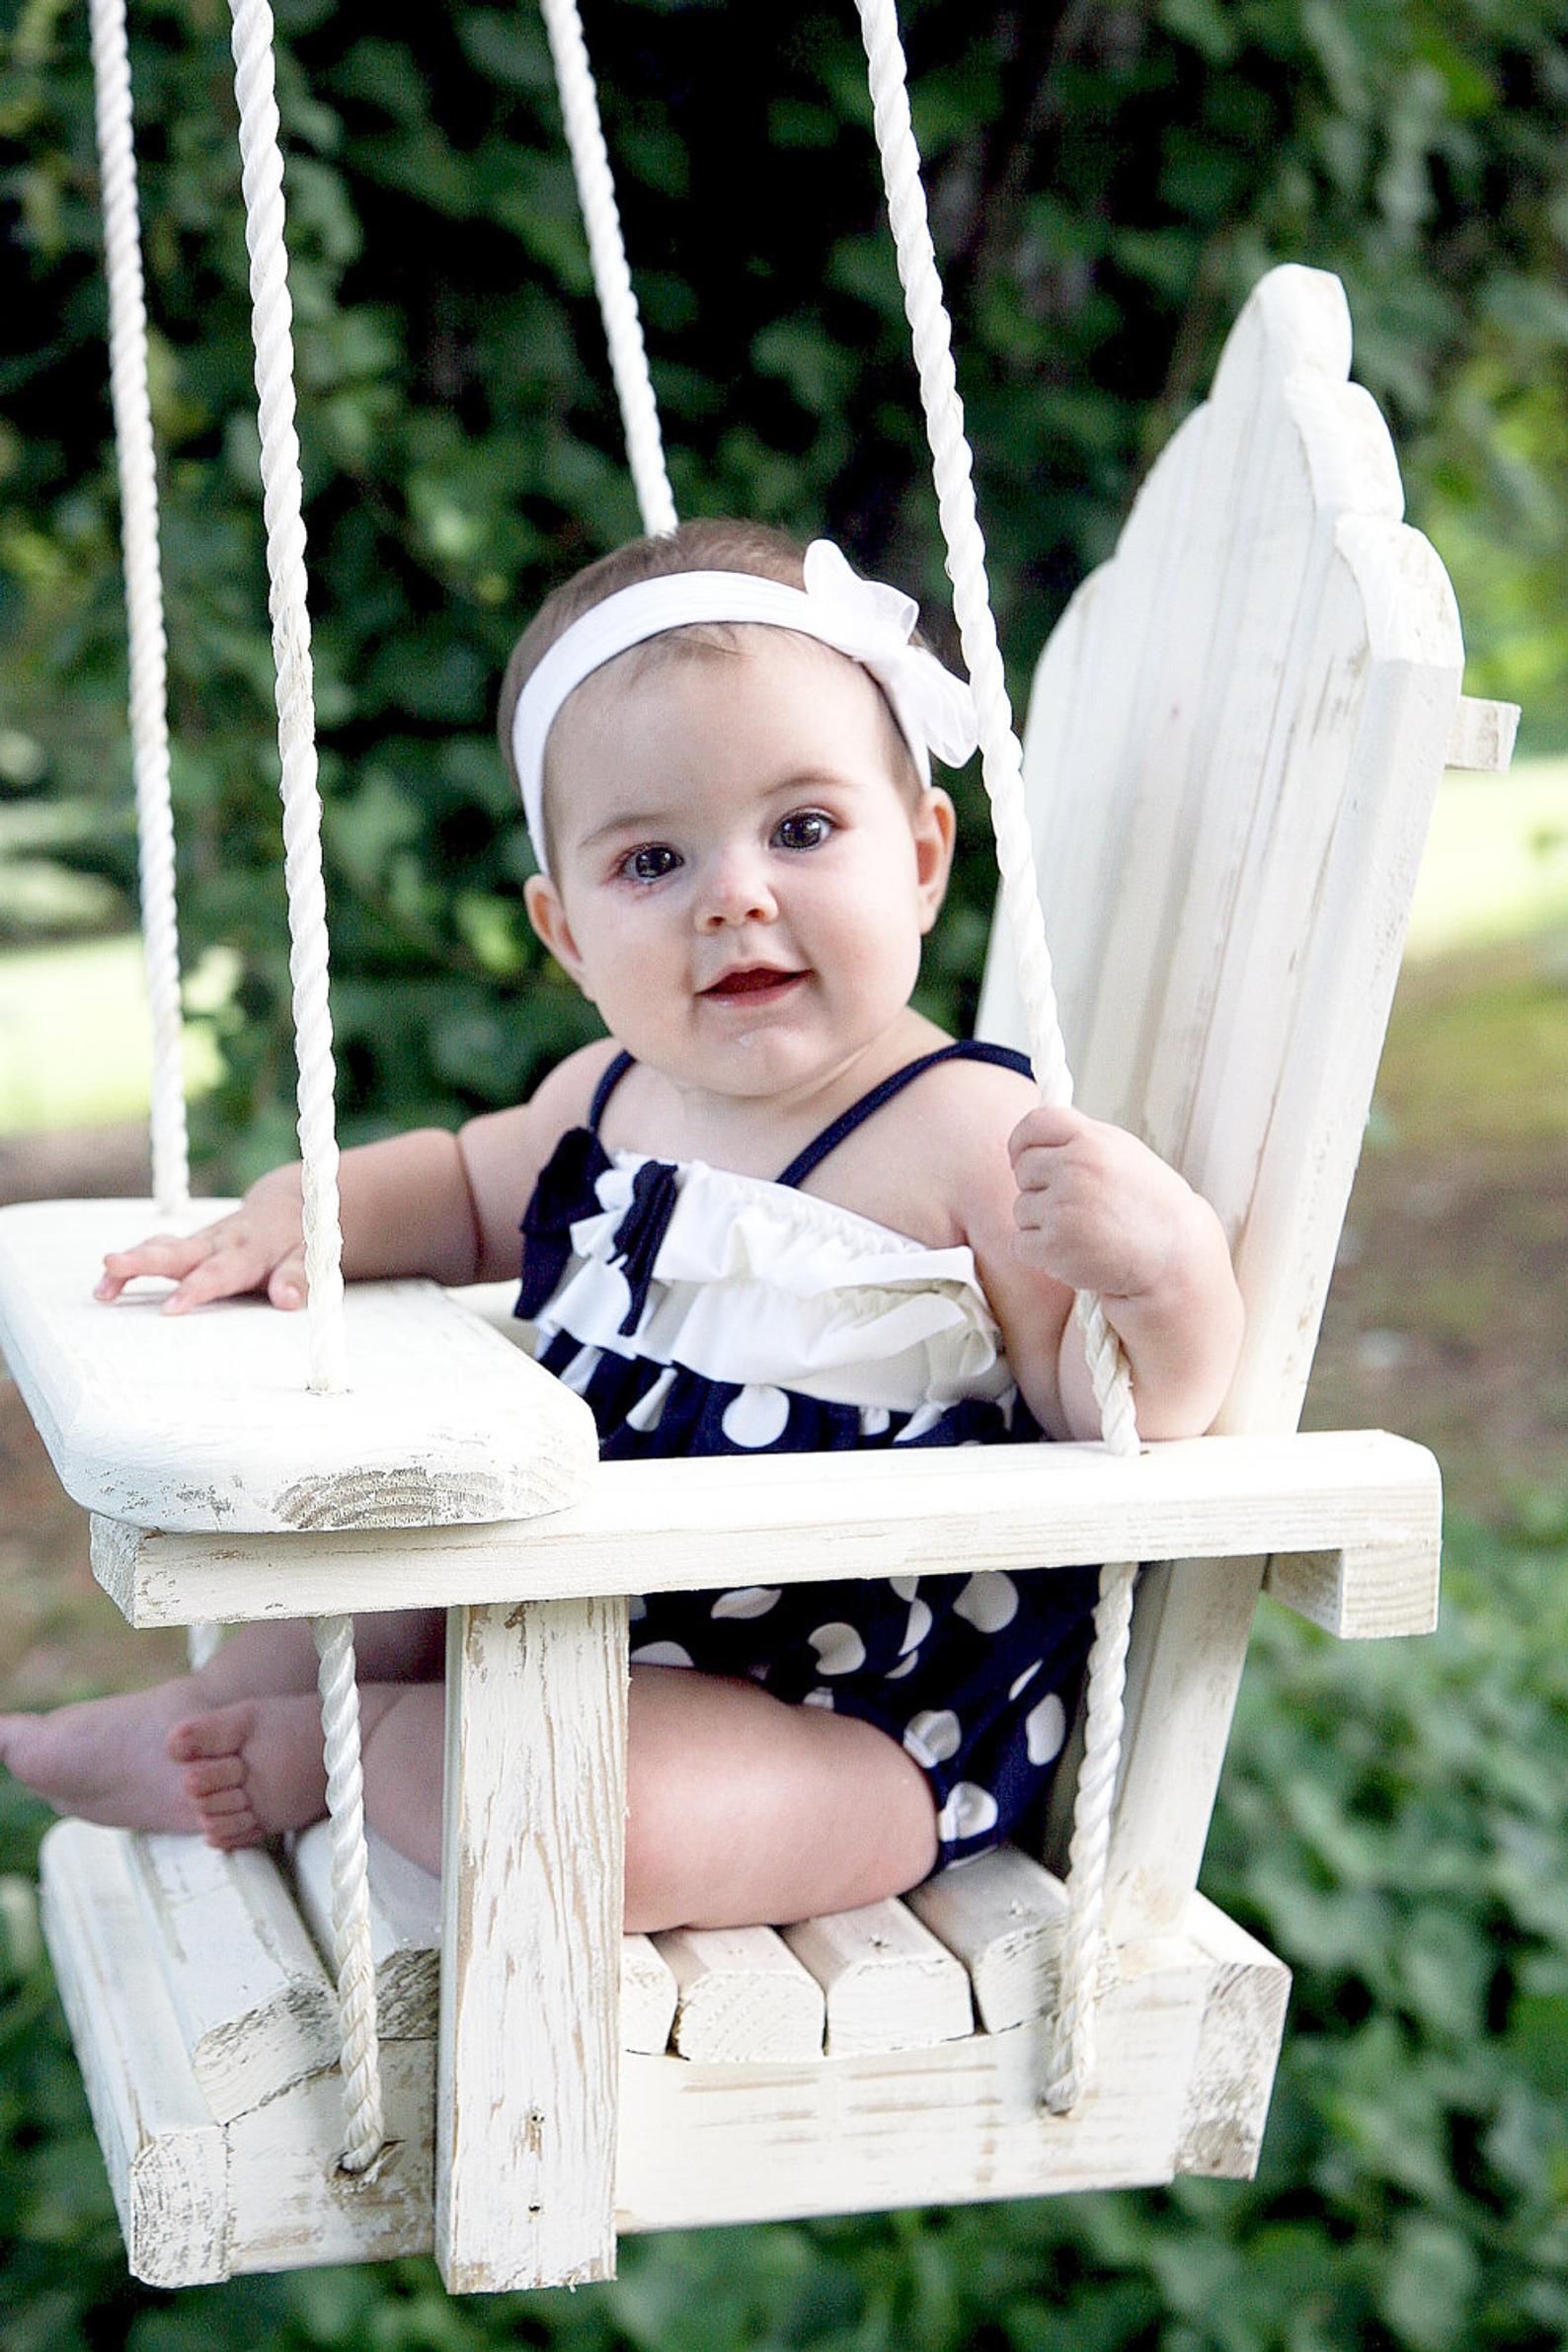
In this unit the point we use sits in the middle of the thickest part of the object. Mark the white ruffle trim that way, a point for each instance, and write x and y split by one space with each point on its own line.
758 1283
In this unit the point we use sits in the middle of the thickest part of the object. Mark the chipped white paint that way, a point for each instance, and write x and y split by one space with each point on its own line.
203 1421
1003 1915
680 1526
886 1982
532 1888
741 1994
166 2157
1238 2048
254 2003
406 1938
701 2142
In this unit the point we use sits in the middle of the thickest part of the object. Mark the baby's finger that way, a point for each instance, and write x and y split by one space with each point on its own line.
1047 1126
171 1255
285 1285
228 1270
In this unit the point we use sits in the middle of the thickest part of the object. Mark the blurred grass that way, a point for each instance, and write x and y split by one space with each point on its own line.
1496 863
76 1039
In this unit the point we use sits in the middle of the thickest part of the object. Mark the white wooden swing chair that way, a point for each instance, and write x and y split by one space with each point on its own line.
1235 738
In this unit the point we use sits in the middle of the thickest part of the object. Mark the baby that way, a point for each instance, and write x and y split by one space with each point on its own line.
775 1208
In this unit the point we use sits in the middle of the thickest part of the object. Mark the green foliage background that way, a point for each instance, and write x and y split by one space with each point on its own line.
1107 181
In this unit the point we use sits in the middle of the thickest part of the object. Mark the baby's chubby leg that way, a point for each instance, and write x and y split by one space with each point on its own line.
740 1809
745 1810
114 1760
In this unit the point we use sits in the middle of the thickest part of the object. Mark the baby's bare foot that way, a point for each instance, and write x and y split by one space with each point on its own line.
255 1769
252 1769
106 1760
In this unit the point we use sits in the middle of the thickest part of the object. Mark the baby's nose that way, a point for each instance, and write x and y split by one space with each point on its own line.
736 889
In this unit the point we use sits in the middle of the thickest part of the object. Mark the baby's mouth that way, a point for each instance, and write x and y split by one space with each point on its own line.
748 983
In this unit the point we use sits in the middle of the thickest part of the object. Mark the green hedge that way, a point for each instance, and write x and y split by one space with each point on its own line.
1106 184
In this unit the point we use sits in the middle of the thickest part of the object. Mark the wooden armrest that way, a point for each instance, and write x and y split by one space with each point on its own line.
207 1422
776 1518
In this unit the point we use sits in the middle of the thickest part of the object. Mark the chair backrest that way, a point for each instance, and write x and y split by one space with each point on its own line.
1233 741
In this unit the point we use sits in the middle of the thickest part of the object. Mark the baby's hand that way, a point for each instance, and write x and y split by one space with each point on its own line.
259 1247
1096 1209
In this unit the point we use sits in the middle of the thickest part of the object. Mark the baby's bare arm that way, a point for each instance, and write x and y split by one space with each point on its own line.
405 1208
430 1202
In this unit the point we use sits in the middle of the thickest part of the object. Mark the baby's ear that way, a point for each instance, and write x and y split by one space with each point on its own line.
549 920
935 830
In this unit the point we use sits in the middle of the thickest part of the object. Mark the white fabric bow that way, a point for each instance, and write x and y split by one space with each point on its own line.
874 622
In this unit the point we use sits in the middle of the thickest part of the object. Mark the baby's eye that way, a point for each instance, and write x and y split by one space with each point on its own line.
804 828
650 862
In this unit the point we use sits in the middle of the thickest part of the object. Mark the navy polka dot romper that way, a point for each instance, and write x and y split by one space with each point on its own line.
702 1312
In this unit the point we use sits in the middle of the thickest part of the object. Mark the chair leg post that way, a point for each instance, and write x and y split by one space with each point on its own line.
528 2053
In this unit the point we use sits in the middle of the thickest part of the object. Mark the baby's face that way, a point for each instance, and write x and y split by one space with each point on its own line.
741 878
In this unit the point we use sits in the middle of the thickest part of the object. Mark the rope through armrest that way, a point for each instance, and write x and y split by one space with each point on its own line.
262 177
1001 757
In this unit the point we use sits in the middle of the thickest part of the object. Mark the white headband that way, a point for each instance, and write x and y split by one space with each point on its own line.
866 619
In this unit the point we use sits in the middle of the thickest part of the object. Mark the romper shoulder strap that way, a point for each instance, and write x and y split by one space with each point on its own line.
609 1079
963 1048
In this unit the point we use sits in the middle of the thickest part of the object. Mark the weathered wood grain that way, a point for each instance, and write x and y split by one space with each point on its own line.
167 2158
678 1526
886 1982
741 1994
204 1421
532 1888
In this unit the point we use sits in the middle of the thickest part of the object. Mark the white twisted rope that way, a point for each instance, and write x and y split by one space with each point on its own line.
353 1960
1001 756
596 188
149 647
138 502
262 177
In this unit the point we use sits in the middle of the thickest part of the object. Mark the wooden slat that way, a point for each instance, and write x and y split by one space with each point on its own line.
1483 737
649 1996
705 2144
290 2207
532 1885
770 2142
740 1996
680 1526
406 1936
1237 2049
1003 1917
405 1927
166 2156
886 1982
254 2003
205 1421
1330 1588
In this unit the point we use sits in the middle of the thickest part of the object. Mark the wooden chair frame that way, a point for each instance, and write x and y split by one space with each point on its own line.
1234 740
